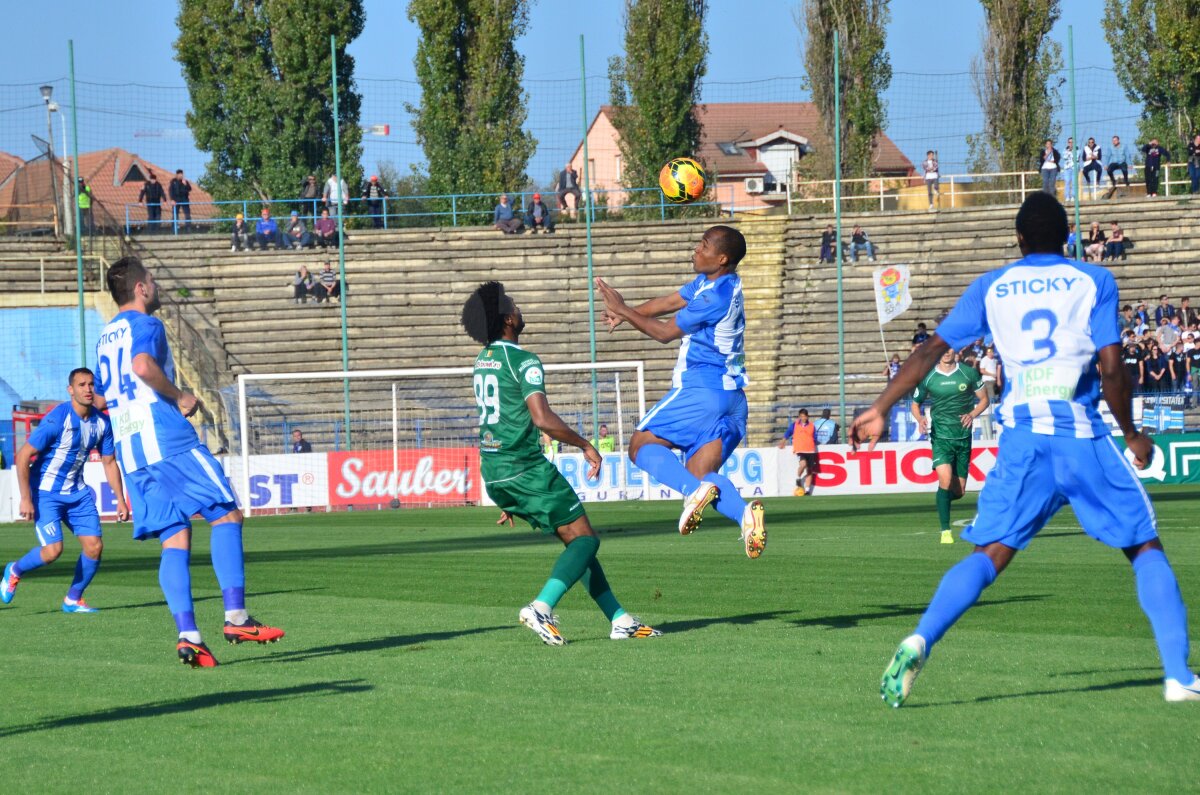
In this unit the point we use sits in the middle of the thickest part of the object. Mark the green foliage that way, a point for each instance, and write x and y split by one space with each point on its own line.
865 71
471 118
1156 54
1018 77
404 190
258 73
655 87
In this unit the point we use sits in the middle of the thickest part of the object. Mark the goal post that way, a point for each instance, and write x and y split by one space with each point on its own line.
412 436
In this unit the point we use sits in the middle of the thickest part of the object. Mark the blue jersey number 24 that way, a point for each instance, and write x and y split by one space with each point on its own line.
125 383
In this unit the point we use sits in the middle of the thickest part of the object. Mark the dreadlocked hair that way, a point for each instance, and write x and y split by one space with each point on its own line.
482 314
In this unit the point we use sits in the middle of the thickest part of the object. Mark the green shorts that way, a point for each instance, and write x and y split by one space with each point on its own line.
539 495
955 452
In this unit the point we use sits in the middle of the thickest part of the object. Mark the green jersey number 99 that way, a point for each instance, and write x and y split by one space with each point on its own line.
487 397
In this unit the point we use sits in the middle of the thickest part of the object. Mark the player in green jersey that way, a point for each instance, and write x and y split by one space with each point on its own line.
510 392
958 396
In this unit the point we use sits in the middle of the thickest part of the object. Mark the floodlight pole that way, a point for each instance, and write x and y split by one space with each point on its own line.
837 210
341 200
1075 136
587 184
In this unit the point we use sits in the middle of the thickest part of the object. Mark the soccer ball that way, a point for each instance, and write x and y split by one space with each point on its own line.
682 180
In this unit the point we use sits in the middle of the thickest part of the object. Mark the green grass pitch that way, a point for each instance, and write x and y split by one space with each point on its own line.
404 668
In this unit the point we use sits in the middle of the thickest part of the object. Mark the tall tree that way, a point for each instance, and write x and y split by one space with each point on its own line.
1017 77
865 71
655 87
258 73
473 109
1156 53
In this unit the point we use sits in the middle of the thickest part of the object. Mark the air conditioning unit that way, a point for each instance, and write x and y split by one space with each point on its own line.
754 184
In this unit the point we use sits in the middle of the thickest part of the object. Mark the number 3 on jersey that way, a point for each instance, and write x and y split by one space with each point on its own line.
487 397
1042 343
125 382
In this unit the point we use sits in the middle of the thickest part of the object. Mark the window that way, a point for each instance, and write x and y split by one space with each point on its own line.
730 148
619 163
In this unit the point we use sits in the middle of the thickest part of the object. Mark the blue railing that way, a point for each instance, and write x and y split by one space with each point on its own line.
393 208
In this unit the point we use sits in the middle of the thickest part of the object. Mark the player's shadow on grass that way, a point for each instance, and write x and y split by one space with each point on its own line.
154 709
163 602
1120 685
671 627
409 642
884 612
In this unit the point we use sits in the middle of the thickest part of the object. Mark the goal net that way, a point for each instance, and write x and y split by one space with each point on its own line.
376 439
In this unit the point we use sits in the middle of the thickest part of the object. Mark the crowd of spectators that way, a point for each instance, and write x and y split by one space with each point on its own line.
1165 358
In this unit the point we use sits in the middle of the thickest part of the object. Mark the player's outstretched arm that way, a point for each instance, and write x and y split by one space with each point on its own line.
868 426
113 475
615 306
655 307
145 368
1118 394
553 426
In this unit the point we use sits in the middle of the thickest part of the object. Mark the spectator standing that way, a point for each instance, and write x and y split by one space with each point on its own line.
1194 366
1125 320
1193 163
335 191
1093 244
568 185
1068 171
930 167
860 242
180 190
1093 168
1118 160
84 203
803 436
605 443
826 429
152 197
1141 314
504 219
1157 378
539 217
1133 360
374 193
892 367
302 285
241 239
1116 242
828 241
1155 157
266 230
1072 238
299 443
1177 363
327 284
920 335
327 233
297 232
1163 312
1187 316
1048 162
989 370
1168 334
310 195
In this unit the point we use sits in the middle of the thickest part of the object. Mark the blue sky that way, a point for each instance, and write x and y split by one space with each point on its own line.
754 57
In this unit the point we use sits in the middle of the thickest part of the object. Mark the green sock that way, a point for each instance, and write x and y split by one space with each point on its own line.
956 495
597 585
943 507
569 567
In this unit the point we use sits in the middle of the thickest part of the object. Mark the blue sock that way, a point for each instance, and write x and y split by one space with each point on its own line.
176 582
729 503
229 564
85 570
1159 595
959 589
32 560
661 462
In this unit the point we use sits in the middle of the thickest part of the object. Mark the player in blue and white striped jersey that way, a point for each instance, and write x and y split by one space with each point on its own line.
1054 321
170 475
53 492
704 414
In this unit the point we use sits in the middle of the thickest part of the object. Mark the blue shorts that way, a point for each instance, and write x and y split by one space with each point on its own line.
1035 475
165 495
691 417
78 510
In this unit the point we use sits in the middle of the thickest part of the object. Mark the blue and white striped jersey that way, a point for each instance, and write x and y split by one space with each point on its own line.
147 427
63 441
1048 317
712 353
